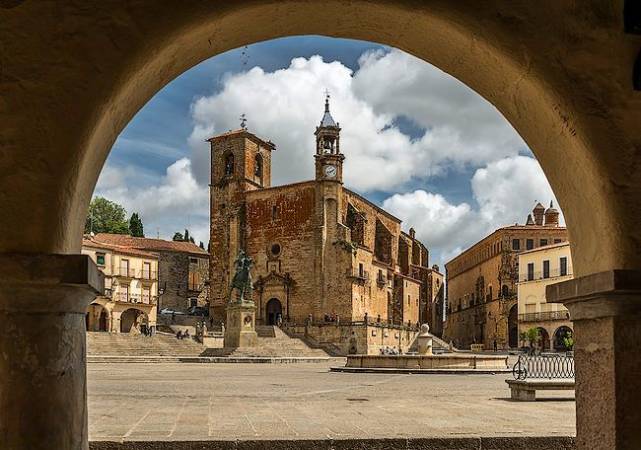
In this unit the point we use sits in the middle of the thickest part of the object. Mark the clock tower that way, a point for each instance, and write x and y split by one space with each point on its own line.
329 159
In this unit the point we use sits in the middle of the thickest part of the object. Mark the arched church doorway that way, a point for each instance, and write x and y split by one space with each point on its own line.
513 327
131 320
273 310
560 336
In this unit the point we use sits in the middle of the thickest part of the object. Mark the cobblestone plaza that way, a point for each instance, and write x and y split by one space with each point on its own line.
306 401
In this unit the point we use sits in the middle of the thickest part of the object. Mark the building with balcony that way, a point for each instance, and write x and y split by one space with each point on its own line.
183 269
539 268
129 303
481 287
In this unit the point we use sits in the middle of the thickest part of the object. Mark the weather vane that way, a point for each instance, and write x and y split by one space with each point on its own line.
243 121
244 57
327 93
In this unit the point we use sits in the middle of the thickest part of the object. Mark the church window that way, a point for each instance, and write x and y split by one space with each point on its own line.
274 212
258 166
275 249
516 244
229 164
529 244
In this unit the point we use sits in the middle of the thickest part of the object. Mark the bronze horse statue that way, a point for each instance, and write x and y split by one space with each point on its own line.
242 279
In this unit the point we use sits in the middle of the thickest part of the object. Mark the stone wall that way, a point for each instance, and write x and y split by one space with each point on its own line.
356 338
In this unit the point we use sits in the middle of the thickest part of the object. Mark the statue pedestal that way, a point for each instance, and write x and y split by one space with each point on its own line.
240 329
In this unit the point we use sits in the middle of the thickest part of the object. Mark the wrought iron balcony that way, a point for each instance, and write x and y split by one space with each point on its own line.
540 275
150 275
543 316
359 275
125 272
134 298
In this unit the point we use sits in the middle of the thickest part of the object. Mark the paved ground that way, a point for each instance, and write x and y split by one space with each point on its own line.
305 401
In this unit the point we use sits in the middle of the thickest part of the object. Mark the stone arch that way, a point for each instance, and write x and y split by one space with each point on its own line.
97 318
547 97
559 334
273 309
560 72
544 339
131 320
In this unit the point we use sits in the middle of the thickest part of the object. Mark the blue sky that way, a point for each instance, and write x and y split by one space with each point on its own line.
417 141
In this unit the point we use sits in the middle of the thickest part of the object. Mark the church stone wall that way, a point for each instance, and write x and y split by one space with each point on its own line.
284 217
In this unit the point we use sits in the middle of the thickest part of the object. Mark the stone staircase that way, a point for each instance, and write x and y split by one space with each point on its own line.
101 344
272 342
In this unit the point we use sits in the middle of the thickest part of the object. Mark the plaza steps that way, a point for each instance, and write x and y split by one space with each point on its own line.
272 342
103 344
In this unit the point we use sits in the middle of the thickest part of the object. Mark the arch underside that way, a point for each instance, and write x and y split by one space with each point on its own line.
577 114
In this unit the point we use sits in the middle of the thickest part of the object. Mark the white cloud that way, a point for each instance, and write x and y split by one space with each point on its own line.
505 192
465 128
443 227
286 105
175 203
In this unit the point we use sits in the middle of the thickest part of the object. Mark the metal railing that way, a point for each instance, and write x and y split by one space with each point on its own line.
125 272
542 316
359 274
540 275
134 298
148 275
543 366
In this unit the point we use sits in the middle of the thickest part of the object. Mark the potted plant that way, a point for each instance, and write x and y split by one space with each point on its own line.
568 342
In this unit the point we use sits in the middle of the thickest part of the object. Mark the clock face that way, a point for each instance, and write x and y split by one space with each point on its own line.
330 171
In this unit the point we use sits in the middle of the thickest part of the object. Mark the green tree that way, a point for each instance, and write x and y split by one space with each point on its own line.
106 216
178 236
136 228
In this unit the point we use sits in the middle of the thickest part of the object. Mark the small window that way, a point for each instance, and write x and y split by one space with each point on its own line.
516 244
546 269
258 166
563 266
361 270
544 242
100 259
229 164
530 271
529 244
193 302
557 241
275 249
193 260
274 212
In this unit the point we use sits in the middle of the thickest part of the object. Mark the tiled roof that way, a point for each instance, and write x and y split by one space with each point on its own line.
124 240
90 242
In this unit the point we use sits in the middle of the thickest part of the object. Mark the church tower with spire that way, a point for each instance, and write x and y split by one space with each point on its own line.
329 159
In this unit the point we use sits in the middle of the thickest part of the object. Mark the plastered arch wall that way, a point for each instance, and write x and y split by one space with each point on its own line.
73 75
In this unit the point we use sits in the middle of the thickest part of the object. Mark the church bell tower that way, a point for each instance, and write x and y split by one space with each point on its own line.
329 159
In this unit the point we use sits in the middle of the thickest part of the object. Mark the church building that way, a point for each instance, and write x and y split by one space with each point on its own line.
320 251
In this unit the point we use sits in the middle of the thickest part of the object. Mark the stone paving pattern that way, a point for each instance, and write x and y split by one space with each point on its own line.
305 401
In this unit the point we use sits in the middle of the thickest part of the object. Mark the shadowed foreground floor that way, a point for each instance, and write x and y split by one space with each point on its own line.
227 402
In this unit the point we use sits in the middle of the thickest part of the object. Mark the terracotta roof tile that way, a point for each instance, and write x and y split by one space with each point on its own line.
149 244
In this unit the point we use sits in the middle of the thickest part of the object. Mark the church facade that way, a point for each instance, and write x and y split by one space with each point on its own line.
321 251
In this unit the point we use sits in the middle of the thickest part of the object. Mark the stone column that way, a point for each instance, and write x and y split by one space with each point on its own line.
606 311
43 387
